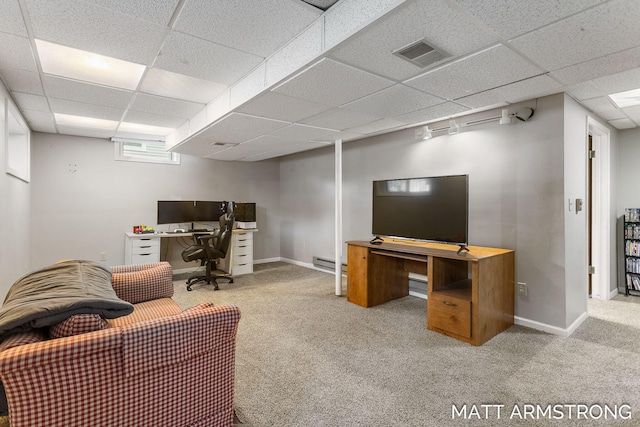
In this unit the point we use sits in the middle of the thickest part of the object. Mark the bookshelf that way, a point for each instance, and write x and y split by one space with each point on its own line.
631 235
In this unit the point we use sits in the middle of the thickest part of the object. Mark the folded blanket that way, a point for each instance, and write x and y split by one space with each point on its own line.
52 294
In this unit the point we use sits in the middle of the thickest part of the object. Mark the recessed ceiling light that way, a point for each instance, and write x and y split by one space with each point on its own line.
625 99
84 122
87 66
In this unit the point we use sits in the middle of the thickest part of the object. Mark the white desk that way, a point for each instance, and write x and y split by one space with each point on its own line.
145 248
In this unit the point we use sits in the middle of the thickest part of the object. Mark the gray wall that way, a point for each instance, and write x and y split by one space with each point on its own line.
516 187
628 191
83 201
15 216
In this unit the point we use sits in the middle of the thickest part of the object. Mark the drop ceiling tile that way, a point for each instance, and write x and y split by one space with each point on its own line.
482 71
16 53
338 118
599 67
72 90
161 105
633 113
238 128
393 101
178 86
27 101
534 87
305 133
274 105
604 108
86 26
510 18
199 146
332 83
40 121
195 57
253 26
268 143
299 148
160 120
11 19
93 133
159 12
378 126
585 90
622 123
437 112
74 108
22 81
435 21
298 53
584 36
619 82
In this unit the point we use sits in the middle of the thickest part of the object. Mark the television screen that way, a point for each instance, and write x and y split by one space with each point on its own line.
208 211
175 211
431 208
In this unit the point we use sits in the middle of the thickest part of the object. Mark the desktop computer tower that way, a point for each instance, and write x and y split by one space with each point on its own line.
245 215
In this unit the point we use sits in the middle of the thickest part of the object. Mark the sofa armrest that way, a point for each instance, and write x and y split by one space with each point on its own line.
79 380
143 282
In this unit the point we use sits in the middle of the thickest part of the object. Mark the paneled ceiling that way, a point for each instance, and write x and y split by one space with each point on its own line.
250 79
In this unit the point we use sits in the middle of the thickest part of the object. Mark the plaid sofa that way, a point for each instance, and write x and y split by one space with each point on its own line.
158 366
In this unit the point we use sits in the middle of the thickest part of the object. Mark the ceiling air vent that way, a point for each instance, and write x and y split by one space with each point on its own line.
421 54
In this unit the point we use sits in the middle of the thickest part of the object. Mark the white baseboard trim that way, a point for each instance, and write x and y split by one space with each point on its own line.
613 293
549 328
307 265
266 260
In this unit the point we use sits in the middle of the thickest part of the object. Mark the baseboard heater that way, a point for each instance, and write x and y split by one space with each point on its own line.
327 264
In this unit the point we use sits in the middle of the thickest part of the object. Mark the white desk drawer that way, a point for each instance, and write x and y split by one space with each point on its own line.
239 259
145 242
141 250
243 250
145 258
242 269
243 237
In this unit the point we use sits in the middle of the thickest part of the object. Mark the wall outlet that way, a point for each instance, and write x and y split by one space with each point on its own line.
103 256
522 289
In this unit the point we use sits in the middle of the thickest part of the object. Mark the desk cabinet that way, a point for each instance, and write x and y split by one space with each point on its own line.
470 295
141 248
239 261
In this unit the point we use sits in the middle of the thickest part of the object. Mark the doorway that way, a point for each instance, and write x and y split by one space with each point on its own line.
599 210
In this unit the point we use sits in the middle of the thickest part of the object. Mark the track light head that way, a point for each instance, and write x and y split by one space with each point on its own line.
524 114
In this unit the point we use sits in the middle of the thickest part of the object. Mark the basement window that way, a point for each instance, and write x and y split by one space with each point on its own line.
135 150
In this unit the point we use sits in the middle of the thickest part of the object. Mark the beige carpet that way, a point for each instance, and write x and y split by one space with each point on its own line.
308 358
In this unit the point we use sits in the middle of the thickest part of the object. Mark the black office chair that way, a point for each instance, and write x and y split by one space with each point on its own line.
209 248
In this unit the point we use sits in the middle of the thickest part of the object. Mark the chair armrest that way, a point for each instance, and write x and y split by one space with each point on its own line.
143 282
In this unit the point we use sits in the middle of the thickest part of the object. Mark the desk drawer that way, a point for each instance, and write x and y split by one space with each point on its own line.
145 243
240 259
242 269
145 258
243 237
242 250
449 314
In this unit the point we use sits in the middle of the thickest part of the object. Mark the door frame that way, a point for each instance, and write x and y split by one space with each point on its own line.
601 208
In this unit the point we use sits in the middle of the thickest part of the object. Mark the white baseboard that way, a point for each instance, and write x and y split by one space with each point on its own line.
266 260
549 328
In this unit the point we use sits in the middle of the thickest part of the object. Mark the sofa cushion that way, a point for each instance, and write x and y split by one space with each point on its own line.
78 324
143 282
22 338
50 295
153 309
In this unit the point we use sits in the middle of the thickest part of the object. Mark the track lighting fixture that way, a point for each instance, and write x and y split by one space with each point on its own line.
453 127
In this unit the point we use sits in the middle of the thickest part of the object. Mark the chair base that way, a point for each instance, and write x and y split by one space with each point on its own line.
210 279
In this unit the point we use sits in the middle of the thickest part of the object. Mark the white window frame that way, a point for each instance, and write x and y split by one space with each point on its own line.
146 156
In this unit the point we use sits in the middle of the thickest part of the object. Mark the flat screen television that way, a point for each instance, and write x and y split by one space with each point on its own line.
175 211
428 208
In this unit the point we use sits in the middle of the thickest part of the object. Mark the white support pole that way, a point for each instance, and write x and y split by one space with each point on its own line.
338 205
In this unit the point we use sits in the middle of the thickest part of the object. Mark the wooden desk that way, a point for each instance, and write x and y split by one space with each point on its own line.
470 296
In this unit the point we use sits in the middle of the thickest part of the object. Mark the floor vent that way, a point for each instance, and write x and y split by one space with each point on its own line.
421 54
327 264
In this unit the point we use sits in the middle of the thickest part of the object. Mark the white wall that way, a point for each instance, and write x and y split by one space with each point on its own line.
15 215
517 198
83 201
